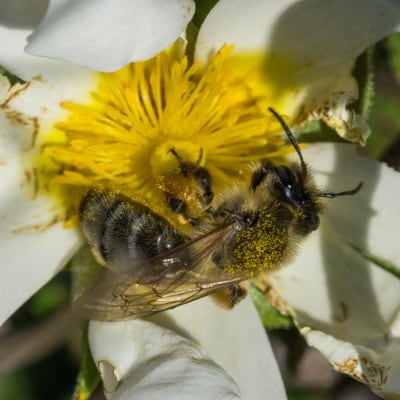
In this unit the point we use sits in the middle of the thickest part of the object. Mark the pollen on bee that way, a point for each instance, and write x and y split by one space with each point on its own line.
260 247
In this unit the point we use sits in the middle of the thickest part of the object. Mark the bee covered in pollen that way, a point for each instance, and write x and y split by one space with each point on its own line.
152 266
188 190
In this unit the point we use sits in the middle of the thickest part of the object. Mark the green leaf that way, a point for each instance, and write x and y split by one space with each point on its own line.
191 37
303 395
11 77
49 298
270 316
363 72
88 378
317 131
17 385
378 261
385 125
203 7
393 44
85 271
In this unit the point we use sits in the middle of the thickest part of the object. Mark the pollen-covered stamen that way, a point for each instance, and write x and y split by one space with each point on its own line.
122 140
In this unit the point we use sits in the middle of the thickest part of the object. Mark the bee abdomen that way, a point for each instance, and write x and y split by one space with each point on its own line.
120 230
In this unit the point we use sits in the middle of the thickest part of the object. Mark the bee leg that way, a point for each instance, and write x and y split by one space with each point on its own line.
238 293
228 298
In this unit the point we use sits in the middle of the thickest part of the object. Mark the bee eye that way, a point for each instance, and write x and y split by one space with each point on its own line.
176 205
203 176
204 180
249 219
286 176
208 196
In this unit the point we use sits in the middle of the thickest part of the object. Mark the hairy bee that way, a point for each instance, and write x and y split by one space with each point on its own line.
154 267
189 192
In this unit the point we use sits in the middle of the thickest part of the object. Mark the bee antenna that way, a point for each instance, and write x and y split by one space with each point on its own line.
200 157
291 138
345 193
174 152
179 158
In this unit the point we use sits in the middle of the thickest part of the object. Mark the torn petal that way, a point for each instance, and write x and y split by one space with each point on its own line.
147 361
346 122
235 339
379 368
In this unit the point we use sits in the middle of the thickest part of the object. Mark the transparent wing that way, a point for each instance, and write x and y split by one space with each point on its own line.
177 277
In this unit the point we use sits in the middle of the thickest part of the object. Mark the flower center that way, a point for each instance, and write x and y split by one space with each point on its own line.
151 122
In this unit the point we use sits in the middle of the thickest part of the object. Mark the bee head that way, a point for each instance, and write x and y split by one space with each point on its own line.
295 186
292 186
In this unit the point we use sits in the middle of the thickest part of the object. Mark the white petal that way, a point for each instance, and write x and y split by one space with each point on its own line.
333 110
308 31
35 244
138 359
235 339
22 14
105 35
17 21
317 42
368 220
345 305
359 220
248 25
376 366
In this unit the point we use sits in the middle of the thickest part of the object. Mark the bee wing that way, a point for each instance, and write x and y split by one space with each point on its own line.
177 277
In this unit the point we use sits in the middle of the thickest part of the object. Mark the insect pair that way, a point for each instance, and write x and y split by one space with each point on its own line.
153 267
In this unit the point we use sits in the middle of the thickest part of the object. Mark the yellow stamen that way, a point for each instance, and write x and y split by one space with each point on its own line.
122 141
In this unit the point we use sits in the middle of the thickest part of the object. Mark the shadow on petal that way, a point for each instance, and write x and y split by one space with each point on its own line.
22 14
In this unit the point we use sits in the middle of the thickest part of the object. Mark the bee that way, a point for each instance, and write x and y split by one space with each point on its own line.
253 227
189 192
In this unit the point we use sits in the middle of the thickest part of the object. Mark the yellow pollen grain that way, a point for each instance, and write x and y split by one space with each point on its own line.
121 139
260 247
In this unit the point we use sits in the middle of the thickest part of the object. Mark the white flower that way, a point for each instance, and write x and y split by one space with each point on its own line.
307 48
